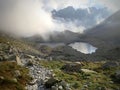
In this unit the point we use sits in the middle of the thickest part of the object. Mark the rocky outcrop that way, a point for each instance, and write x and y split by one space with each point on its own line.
54 84
117 75
110 65
87 71
51 82
18 60
72 67
39 74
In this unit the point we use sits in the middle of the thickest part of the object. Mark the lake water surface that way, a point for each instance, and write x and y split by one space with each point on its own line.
79 46
83 47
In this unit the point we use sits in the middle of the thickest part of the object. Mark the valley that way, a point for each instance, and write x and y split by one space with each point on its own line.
59 45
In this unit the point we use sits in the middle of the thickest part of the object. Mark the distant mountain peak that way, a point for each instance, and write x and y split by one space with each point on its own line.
87 17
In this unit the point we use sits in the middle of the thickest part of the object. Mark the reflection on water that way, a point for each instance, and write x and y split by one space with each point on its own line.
83 47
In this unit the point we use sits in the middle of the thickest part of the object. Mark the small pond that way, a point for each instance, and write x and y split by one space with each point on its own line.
83 47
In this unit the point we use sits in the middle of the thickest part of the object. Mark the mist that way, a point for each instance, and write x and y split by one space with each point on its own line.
30 17
25 18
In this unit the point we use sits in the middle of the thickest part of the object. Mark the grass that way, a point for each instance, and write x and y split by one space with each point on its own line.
7 71
78 81
19 45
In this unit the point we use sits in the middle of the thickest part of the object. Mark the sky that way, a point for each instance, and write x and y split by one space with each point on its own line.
29 17
58 4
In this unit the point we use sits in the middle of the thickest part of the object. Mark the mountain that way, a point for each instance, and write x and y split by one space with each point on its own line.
65 37
87 17
108 31
57 37
17 44
104 36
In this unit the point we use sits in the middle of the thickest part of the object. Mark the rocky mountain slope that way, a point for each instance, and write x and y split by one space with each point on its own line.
20 67
23 66
108 30
56 37
19 62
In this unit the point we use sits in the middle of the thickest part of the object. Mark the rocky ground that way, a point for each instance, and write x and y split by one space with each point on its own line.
48 74
43 78
39 75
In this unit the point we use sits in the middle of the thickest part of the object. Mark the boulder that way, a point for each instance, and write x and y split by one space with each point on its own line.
110 65
63 83
54 88
80 63
51 82
60 88
117 75
19 61
71 67
88 71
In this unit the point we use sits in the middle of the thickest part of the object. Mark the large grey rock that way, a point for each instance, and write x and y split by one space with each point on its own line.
71 67
110 65
88 71
117 75
60 87
54 88
63 83
51 82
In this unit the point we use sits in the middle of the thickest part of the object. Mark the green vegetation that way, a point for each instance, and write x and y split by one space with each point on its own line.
85 81
19 45
8 80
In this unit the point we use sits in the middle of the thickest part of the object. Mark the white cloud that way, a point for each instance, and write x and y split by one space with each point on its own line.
112 4
58 4
28 17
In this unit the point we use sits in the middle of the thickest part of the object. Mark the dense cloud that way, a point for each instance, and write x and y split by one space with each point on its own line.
112 4
87 17
29 17
58 4
24 17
